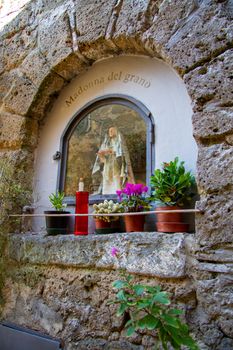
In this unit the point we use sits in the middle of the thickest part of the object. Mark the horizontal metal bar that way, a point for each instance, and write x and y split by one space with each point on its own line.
113 214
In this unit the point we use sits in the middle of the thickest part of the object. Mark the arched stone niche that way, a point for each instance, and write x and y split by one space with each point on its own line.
50 43
157 87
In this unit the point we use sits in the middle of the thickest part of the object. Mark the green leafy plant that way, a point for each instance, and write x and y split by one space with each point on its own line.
172 185
107 207
149 309
56 199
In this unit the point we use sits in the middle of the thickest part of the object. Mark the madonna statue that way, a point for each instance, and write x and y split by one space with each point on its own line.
113 162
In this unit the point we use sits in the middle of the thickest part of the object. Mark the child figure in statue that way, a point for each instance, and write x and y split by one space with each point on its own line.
114 162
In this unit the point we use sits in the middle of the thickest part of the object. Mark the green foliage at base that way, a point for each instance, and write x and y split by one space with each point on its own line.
172 185
149 309
56 199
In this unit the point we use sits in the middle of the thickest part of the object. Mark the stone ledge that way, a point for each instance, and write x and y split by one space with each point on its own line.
148 253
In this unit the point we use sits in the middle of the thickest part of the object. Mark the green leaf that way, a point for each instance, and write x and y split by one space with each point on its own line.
171 321
141 304
122 308
161 298
121 295
149 322
139 289
176 312
119 284
130 331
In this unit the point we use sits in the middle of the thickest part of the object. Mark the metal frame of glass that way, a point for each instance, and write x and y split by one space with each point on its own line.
81 114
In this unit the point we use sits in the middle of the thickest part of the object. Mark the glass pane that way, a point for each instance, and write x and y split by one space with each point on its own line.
107 149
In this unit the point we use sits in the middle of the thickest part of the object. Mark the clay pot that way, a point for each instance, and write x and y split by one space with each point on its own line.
134 223
102 224
103 227
170 222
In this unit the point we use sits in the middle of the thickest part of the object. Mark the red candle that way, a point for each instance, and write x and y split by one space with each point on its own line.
81 222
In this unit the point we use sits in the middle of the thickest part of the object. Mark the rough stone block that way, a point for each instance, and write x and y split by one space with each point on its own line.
18 47
213 124
54 36
17 131
46 95
19 97
212 84
214 226
129 20
184 32
35 67
215 168
215 297
91 37
160 255
25 18
2 61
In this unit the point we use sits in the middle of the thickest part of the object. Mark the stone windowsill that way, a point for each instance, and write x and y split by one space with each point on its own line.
147 253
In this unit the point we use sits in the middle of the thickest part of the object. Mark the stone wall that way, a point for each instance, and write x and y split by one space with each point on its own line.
50 42
61 285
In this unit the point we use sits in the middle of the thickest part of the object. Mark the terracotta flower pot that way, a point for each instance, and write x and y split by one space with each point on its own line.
102 224
104 227
170 222
134 223
168 217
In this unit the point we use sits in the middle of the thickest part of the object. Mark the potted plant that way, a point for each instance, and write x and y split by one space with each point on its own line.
133 199
172 187
107 224
57 224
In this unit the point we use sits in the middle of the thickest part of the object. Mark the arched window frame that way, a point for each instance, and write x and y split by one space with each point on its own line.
81 114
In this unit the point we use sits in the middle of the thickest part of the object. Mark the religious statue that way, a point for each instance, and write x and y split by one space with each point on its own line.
113 161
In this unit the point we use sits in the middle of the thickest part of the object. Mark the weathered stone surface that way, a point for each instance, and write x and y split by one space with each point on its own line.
2 61
226 344
91 38
215 168
35 67
17 131
129 20
184 32
218 304
46 95
137 251
54 36
211 84
18 47
25 18
221 254
20 96
213 124
214 226
229 139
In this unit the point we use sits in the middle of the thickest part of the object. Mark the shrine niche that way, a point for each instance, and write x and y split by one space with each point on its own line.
107 146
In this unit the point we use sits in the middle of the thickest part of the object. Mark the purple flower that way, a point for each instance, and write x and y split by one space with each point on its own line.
119 194
114 251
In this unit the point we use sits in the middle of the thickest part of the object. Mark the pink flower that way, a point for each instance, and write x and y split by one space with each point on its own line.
114 251
119 193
